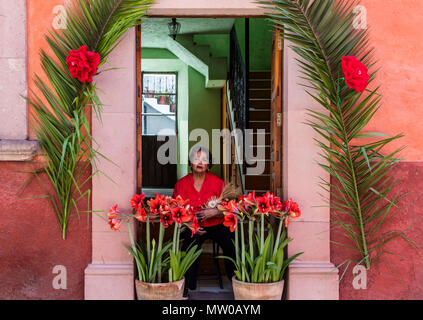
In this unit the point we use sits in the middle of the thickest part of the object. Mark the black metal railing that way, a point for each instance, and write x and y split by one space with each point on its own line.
238 81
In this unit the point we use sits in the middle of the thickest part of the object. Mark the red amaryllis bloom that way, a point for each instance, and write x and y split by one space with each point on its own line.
251 198
155 205
286 222
292 209
231 207
137 200
181 201
242 198
166 219
355 73
222 205
194 226
263 205
158 205
82 64
113 212
275 202
230 221
114 224
141 214
180 215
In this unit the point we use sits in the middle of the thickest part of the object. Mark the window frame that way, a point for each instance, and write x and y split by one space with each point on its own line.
144 114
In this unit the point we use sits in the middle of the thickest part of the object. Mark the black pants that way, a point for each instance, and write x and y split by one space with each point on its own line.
219 233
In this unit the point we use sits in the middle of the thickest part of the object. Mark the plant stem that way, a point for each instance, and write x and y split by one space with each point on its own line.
237 245
64 231
250 238
242 251
178 234
262 234
354 181
135 251
175 231
278 236
147 237
159 248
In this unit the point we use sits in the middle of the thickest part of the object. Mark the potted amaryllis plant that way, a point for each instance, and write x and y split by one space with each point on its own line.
161 265
260 260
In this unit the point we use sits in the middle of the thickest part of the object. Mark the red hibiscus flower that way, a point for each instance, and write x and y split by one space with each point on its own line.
263 205
113 212
230 221
141 214
114 224
180 215
355 73
166 219
137 200
82 64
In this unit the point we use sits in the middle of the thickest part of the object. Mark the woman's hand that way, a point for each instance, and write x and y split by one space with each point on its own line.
207 214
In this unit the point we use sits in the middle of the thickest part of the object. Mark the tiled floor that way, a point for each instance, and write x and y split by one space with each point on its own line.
210 290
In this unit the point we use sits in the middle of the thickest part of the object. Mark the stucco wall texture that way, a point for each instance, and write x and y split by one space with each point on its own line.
396 30
31 242
29 229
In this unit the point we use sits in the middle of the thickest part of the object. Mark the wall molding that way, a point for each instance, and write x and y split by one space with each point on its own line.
18 150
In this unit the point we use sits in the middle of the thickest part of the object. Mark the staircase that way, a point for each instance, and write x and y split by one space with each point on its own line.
259 96
199 57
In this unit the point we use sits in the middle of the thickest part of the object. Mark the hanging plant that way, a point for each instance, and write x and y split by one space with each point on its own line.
321 33
94 28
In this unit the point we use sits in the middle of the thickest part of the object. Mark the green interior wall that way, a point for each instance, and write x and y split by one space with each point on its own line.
161 60
198 107
260 42
219 44
204 109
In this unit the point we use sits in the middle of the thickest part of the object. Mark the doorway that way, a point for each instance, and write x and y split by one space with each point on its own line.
201 58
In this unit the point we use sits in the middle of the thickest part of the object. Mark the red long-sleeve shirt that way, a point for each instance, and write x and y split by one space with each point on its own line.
212 187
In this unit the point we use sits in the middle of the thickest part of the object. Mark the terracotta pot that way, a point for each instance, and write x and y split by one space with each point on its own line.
257 291
160 291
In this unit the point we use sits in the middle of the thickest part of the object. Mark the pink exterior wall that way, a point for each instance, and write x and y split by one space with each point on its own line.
34 244
396 31
31 240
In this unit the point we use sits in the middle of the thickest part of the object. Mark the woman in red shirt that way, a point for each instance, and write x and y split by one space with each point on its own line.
199 187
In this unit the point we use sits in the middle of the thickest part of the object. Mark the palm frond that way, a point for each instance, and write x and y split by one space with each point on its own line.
321 33
58 117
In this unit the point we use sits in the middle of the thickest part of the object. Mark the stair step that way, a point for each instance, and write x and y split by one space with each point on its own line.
259 163
260 75
259 103
259 94
257 192
260 84
254 152
255 137
260 182
259 125
259 115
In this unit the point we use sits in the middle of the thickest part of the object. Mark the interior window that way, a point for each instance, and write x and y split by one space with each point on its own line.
159 104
